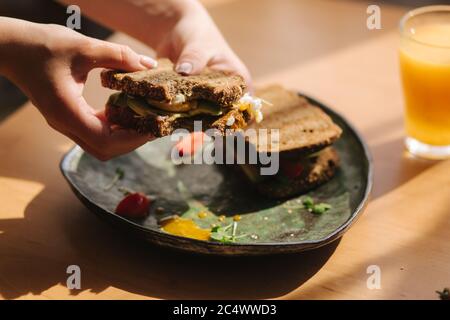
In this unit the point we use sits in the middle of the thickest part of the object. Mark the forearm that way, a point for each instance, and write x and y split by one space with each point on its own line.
146 20
15 36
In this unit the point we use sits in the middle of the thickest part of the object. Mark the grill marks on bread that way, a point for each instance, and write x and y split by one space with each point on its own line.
302 126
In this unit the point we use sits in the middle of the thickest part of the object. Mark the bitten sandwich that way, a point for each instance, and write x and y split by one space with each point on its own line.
159 101
306 133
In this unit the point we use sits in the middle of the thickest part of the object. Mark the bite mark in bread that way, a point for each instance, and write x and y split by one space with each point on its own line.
164 84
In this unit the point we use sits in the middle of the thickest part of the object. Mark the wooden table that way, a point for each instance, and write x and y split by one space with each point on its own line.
321 48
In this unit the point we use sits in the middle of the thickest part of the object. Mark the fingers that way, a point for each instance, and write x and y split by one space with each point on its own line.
248 80
115 56
93 133
232 63
106 142
242 70
192 60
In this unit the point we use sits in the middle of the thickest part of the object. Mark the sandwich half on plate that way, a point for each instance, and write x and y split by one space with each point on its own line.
159 101
306 133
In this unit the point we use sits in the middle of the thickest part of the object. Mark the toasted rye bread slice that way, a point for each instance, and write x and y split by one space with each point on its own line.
303 128
321 169
160 126
163 84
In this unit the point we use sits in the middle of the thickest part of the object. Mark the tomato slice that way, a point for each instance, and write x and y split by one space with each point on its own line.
135 205
190 144
291 169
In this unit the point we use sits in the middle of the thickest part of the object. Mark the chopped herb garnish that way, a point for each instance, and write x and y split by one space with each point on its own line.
444 294
120 173
126 191
308 202
118 176
225 234
221 234
319 208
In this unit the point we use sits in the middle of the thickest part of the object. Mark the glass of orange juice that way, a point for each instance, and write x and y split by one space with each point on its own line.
425 71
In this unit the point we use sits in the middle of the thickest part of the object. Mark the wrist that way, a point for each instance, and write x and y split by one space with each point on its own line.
16 38
190 8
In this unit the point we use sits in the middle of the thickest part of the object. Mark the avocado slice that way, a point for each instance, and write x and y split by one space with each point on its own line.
143 108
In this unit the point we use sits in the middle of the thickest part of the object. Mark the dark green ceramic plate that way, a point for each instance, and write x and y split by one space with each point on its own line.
268 226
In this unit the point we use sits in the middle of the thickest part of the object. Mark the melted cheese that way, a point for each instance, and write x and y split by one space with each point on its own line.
173 107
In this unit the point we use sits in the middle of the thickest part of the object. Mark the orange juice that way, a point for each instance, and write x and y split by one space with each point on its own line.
425 66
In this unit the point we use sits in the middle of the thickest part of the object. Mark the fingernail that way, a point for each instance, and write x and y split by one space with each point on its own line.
184 68
149 62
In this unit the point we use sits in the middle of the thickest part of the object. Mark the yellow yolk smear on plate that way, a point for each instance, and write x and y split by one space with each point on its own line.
185 228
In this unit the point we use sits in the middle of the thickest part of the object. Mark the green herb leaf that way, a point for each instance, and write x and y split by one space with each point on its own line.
225 235
120 173
118 176
308 202
321 208
215 229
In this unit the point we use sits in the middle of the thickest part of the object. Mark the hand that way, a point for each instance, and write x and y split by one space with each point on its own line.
51 63
195 42
181 30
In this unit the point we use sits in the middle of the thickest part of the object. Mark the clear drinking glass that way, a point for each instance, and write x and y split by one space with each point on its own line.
425 72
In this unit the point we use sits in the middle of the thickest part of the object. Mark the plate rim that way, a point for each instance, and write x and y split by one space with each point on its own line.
76 150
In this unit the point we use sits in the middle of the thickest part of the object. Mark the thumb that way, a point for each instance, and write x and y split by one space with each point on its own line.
115 56
192 60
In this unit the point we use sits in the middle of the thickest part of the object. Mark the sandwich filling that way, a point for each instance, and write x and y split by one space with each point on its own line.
180 108
289 169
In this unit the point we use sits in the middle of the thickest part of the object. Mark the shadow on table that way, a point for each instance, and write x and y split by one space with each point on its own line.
393 165
109 259
406 166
